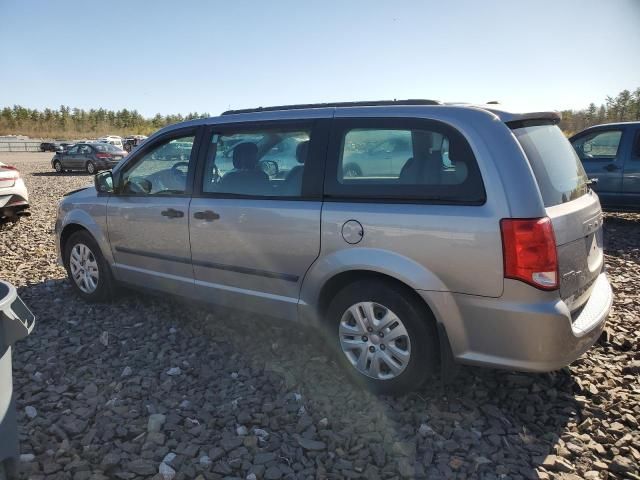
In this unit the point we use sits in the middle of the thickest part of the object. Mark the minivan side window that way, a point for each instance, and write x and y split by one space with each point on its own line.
162 170
601 145
264 163
403 160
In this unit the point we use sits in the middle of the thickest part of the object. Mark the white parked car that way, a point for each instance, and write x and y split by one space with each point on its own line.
14 200
113 140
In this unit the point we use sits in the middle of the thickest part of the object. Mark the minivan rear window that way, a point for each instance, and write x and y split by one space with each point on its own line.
555 164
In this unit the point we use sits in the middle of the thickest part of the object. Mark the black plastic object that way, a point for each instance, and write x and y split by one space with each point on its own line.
16 322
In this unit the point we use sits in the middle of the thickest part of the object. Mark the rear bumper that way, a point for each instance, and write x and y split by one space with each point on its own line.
105 165
13 206
518 332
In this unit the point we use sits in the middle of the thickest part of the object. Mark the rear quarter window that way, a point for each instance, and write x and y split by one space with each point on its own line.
555 164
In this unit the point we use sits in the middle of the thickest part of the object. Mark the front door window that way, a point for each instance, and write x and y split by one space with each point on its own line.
598 145
161 171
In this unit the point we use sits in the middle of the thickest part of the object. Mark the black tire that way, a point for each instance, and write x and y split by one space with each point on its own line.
91 168
416 318
105 288
57 165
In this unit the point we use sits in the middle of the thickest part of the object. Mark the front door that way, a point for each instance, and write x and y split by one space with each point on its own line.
84 156
147 217
255 216
70 158
599 152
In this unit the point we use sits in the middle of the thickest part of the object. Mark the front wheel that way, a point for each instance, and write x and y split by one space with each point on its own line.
57 166
87 268
91 168
387 338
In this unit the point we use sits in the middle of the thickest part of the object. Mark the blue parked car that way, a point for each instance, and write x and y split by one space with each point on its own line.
610 153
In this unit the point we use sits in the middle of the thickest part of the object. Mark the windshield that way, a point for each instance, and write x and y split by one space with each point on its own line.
558 170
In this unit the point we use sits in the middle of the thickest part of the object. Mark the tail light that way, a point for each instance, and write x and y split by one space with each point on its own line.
529 251
10 173
103 155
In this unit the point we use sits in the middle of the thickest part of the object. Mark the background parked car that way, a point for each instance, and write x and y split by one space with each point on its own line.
112 140
90 157
65 146
14 199
610 153
48 147
129 143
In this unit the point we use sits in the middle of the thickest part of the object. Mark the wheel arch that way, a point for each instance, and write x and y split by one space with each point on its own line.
349 263
340 280
66 233
79 220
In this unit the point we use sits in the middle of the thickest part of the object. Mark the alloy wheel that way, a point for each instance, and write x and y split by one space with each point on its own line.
84 268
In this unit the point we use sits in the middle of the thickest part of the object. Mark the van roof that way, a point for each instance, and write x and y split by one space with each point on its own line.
504 113
384 107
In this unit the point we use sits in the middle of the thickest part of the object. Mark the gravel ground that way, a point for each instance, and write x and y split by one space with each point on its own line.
147 387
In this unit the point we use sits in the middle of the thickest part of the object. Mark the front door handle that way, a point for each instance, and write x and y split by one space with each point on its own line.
207 215
172 213
611 167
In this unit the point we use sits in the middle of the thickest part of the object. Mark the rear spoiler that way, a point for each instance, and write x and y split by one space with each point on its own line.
518 120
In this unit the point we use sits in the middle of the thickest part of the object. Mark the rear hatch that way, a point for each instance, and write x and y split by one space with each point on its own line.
574 209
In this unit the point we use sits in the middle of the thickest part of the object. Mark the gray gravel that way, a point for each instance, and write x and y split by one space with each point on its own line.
146 387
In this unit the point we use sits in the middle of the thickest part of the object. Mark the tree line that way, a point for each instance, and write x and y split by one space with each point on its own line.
624 107
74 123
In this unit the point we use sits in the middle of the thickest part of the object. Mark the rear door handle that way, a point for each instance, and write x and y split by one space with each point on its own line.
611 167
172 213
207 215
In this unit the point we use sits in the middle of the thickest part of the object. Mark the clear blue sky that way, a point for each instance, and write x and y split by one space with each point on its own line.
180 56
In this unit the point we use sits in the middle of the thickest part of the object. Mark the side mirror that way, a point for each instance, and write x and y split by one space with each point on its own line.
586 148
104 182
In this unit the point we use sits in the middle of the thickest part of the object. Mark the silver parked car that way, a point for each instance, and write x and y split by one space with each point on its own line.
406 231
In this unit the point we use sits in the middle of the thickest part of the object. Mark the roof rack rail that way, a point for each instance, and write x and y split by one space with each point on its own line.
374 103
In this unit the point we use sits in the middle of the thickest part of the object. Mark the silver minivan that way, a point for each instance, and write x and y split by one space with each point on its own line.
408 232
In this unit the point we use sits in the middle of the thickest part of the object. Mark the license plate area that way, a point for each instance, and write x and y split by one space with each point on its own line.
580 262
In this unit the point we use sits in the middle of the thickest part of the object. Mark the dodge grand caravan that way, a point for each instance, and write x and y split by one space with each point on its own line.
404 230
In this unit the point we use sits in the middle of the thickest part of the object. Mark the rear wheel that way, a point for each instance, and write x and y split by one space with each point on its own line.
386 337
87 269
91 168
57 165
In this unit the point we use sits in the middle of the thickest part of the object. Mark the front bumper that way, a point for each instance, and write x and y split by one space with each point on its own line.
525 329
